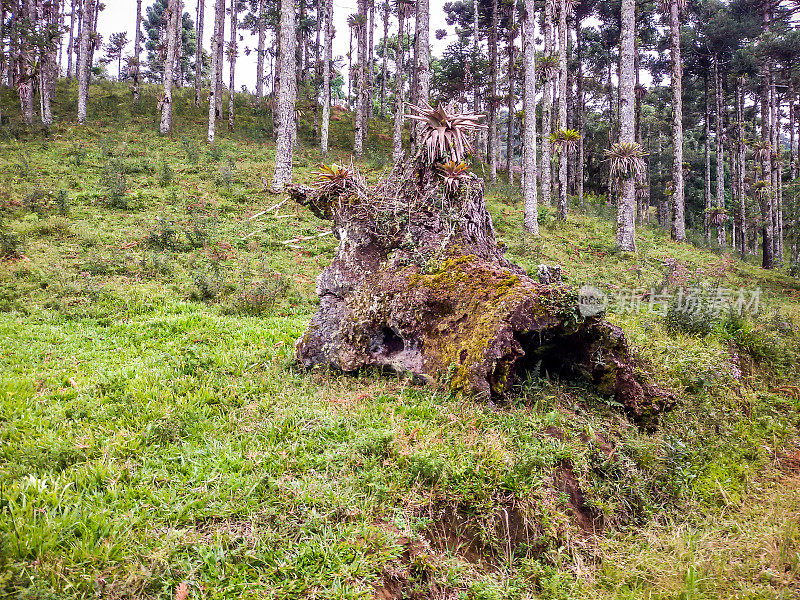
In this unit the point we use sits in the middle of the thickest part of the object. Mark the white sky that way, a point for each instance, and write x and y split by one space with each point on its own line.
120 15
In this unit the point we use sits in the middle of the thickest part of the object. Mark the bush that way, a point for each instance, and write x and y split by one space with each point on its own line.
115 186
163 236
192 150
259 297
165 174
10 242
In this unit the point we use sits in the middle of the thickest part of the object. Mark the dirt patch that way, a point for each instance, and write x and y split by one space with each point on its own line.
789 460
589 520
411 575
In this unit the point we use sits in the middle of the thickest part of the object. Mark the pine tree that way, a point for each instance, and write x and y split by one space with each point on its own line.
172 17
287 95
198 54
626 216
326 78
87 37
216 67
529 123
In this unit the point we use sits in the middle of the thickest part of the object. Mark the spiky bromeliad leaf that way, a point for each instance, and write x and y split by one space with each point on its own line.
626 160
445 132
548 66
762 150
453 173
666 4
336 177
565 139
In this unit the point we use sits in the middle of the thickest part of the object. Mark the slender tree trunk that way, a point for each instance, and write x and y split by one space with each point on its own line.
198 55
218 94
678 216
216 67
476 52
300 47
768 256
317 64
626 218
740 171
397 137
48 18
493 150
92 46
262 39
774 109
326 79
720 151
79 38
233 49
707 157
71 46
547 107
792 154
422 70
529 123
83 61
179 46
370 69
171 16
384 69
562 108
579 175
511 101
361 79
287 96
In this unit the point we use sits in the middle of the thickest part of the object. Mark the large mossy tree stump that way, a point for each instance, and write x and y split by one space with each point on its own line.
419 285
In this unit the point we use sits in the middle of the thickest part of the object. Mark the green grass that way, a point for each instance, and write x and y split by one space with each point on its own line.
154 428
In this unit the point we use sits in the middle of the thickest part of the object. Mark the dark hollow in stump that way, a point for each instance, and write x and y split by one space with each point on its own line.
419 285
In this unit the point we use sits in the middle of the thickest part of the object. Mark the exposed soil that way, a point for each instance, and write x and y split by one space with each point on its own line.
588 519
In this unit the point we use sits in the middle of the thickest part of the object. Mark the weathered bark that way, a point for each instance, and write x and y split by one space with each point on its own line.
48 18
198 55
422 58
179 47
465 318
547 107
626 208
220 48
326 79
216 67
678 202
287 95
317 64
171 16
83 60
740 160
529 124
476 52
768 257
233 50
563 157
134 71
775 127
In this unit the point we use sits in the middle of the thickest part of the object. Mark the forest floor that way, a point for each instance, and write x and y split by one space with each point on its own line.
154 429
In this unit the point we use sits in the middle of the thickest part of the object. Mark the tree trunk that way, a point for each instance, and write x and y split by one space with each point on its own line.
775 127
768 248
218 94
48 18
474 323
740 171
179 46
326 79
83 61
562 108
397 137
287 96
422 67
511 100
135 72
547 108
233 50
317 77
198 55
71 46
262 38
529 123
579 175
171 16
476 52
384 69
720 152
361 80
792 154
626 215
492 117
678 211
370 68
216 67
707 173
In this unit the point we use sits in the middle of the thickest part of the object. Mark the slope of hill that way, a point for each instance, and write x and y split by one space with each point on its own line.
155 429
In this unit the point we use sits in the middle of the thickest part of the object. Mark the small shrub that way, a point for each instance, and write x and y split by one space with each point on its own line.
197 231
192 150
164 236
697 322
216 152
62 203
225 177
78 154
165 174
10 242
208 281
115 186
36 202
259 297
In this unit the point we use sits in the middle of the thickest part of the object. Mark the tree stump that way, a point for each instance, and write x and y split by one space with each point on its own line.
419 285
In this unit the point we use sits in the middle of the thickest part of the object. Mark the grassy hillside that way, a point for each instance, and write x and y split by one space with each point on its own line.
154 429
